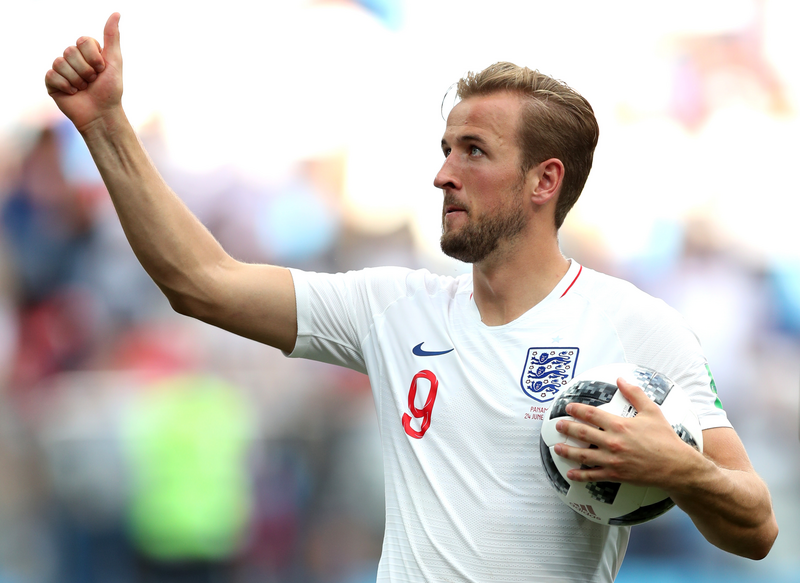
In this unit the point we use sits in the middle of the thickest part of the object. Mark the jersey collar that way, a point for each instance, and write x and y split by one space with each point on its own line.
562 289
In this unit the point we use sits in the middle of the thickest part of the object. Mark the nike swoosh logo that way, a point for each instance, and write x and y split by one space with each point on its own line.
417 350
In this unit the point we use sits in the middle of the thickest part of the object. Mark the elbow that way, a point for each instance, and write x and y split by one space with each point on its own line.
182 303
187 297
186 305
179 305
759 542
762 547
177 301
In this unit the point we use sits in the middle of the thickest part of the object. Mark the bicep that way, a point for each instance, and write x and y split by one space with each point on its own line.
723 446
254 301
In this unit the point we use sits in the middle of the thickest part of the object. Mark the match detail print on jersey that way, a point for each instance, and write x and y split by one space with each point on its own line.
425 412
546 370
418 351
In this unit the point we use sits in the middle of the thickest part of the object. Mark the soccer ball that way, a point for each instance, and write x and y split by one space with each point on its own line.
612 502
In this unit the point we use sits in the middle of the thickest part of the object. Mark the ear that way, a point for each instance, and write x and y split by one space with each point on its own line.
546 179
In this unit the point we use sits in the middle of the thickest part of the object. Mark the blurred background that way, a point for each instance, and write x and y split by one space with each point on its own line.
137 445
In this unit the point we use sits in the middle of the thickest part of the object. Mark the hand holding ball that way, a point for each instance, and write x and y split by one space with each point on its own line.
614 503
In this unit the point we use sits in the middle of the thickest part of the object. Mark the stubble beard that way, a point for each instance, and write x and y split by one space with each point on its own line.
477 239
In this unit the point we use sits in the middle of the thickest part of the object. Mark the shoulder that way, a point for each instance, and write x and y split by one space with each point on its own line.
643 324
622 300
382 285
653 334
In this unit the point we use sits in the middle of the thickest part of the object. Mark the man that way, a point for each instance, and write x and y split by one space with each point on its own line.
466 497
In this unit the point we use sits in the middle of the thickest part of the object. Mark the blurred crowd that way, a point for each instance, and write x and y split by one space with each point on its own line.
139 446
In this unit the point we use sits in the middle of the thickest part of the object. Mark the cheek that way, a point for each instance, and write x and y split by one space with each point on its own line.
494 188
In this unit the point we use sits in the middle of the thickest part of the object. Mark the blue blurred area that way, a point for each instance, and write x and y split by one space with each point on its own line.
637 570
786 282
389 12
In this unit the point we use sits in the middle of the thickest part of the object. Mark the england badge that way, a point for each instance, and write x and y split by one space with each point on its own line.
547 370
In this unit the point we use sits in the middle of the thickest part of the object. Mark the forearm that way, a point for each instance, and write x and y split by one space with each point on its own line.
174 248
731 508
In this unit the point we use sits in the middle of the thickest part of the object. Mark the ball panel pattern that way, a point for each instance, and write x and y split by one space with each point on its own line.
643 513
658 388
684 434
614 503
605 492
594 393
556 479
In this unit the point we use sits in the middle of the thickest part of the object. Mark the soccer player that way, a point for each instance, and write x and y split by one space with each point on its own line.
461 368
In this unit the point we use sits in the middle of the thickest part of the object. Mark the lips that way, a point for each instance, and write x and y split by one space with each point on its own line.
451 206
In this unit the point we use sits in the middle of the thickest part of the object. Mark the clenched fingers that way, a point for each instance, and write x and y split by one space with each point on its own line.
63 78
78 67
78 64
92 53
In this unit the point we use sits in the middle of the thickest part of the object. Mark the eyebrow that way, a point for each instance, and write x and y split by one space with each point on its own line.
468 138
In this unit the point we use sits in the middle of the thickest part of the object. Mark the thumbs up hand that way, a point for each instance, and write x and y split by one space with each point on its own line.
86 83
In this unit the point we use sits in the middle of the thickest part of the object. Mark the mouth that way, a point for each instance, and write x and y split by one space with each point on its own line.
451 206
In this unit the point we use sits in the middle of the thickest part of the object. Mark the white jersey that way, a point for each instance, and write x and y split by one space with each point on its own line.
460 407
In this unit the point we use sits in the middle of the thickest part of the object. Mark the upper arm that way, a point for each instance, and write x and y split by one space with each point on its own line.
723 446
251 300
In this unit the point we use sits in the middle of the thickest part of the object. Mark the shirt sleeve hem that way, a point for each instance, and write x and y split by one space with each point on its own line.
302 307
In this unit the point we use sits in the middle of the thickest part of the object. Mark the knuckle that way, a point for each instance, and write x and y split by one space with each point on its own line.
616 425
59 62
70 51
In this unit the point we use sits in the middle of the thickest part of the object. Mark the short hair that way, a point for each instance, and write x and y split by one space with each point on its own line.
557 122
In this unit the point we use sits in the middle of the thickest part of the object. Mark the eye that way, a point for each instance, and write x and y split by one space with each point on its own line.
446 152
475 151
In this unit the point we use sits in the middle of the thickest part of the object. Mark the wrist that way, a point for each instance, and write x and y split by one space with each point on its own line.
105 125
693 473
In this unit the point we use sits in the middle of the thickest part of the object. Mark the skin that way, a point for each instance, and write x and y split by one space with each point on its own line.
198 277
719 489
481 183
481 178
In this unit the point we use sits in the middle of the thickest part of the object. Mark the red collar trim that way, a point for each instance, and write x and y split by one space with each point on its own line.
573 282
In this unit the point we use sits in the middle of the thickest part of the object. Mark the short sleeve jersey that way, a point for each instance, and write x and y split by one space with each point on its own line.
460 407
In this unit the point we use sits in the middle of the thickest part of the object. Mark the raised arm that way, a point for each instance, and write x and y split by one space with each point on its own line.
198 277
719 489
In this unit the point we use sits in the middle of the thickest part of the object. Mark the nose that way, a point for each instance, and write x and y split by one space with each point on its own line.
447 176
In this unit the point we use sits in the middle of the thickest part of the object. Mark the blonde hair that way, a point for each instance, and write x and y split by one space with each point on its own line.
557 122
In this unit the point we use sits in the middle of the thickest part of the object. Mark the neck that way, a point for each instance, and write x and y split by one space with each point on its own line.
507 286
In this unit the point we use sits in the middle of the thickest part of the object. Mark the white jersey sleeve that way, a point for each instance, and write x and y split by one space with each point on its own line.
653 334
336 311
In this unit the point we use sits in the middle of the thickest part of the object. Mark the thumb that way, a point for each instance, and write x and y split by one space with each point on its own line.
111 50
